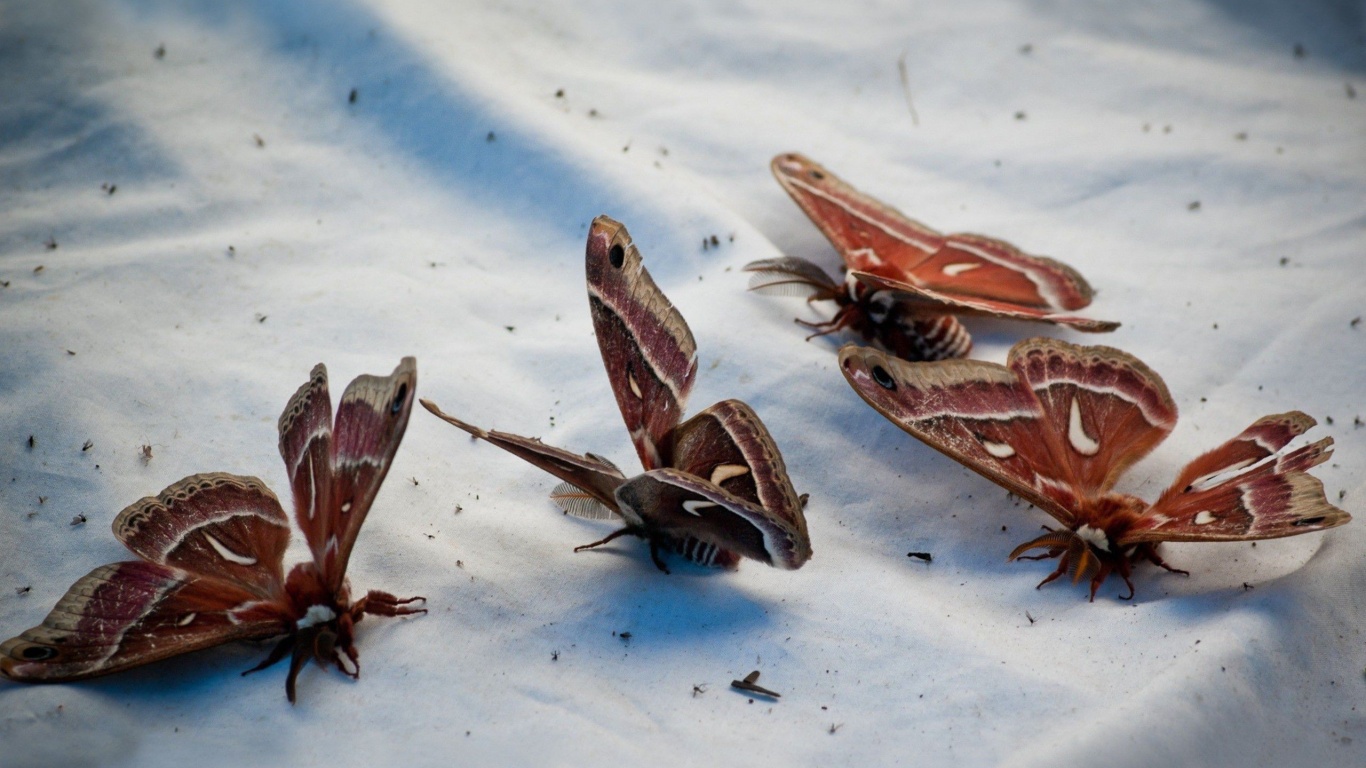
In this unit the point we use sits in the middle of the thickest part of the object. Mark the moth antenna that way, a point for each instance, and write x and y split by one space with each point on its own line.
791 276
779 284
579 503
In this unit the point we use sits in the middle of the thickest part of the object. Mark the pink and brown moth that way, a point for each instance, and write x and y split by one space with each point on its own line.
906 283
211 547
715 488
1059 423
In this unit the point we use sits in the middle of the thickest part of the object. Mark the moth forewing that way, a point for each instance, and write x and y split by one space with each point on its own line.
588 472
676 505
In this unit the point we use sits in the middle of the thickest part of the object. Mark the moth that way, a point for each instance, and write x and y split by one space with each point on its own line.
1059 423
715 488
906 283
210 553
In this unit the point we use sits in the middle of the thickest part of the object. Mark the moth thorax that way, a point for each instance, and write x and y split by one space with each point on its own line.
1095 537
316 614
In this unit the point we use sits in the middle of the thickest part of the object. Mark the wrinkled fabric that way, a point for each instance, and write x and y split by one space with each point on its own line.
199 201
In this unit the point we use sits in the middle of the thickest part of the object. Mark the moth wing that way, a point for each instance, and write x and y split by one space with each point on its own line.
987 268
228 527
646 346
1104 408
980 414
370 423
729 446
935 300
1267 496
592 474
305 429
684 507
127 614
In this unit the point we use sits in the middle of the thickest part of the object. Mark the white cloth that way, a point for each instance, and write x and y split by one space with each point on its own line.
258 221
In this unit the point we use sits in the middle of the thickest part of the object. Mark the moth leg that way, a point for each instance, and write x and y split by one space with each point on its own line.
277 653
1156 559
600 542
302 652
353 656
842 319
379 603
1062 568
659 561
1102 574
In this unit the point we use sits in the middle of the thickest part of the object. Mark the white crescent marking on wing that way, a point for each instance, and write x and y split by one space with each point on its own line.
228 554
186 620
999 450
635 387
1076 433
692 505
1204 517
725 472
954 270
1206 482
1090 386
1044 288
313 488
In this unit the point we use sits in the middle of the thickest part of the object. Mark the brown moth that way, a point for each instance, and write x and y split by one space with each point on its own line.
715 488
906 282
1059 423
211 551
